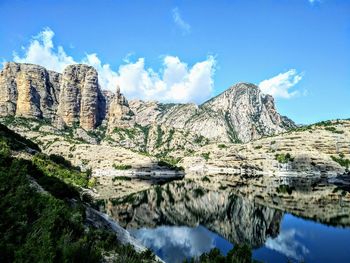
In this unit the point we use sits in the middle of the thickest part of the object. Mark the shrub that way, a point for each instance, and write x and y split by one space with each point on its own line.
284 158
222 146
206 156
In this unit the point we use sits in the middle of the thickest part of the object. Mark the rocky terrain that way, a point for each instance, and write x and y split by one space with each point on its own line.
75 99
237 132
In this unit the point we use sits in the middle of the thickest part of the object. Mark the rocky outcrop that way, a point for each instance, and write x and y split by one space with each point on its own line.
28 91
79 97
119 113
241 113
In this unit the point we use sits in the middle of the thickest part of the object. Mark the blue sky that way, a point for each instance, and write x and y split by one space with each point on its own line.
298 50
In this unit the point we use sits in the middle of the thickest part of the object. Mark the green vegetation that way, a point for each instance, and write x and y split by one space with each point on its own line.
48 226
160 134
198 192
159 194
170 163
231 132
239 254
206 156
284 158
206 179
333 130
342 161
61 169
15 141
258 147
170 195
121 178
122 166
285 189
129 132
222 146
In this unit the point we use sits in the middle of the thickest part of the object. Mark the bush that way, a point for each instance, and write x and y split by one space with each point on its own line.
206 156
222 146
284 158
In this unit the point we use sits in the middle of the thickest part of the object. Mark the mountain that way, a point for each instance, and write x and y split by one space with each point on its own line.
75 99
240 114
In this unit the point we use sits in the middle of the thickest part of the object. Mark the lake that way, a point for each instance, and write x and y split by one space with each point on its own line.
289 218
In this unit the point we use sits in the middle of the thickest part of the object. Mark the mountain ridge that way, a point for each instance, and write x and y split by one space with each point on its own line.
74 98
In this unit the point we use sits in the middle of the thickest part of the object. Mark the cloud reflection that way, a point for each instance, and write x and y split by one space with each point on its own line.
287 244
174 244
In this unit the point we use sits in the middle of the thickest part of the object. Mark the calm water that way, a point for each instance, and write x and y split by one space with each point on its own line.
289 219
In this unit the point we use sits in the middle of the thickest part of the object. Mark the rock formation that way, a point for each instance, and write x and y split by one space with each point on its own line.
241 113
79 96
74 98
119 113
28 91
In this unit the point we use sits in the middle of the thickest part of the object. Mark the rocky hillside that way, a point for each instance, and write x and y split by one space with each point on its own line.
240 114
75 99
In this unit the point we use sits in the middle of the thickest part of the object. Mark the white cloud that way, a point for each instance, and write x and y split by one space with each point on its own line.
175 81
41 51
287 244
185 27
280 86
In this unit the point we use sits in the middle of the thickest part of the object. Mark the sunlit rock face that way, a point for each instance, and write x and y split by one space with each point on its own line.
119 113
79 96
241 113
190 205
28 90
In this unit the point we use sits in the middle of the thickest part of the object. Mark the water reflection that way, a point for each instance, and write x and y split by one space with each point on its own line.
173 244
184 219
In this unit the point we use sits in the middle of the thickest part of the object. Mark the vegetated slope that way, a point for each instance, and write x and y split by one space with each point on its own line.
319 148
42 218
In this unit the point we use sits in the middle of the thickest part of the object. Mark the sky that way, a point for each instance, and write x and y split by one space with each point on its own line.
188 51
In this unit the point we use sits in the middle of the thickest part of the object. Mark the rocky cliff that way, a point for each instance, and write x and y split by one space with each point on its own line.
74 98
28 91
240 114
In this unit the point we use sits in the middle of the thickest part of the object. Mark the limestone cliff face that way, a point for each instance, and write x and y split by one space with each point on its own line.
119 113
79 96
241 113
28 91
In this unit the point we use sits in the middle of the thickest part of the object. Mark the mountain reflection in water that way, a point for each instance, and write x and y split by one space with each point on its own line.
186 218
